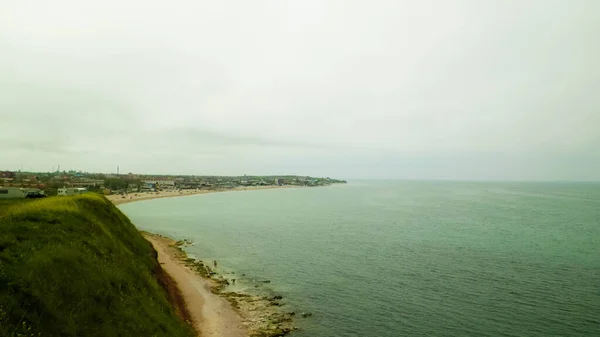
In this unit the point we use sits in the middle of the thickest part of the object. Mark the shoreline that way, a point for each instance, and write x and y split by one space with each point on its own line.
118 199
212 310
210 315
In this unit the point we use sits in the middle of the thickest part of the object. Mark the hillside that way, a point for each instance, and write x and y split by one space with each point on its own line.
76 266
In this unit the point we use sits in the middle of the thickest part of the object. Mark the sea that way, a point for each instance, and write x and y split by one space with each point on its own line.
404 258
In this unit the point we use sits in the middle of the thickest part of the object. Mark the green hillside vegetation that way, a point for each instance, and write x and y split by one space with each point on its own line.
6 204
76 266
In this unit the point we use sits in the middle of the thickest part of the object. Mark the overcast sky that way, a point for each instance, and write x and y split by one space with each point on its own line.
351 89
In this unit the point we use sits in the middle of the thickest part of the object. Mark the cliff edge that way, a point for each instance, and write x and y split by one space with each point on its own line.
76 266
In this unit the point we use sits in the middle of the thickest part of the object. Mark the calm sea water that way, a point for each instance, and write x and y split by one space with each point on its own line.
406 258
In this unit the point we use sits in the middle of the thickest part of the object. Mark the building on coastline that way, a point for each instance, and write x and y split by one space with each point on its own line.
20 193
147 187
87 183
11 193
162 184
7 174
65 191
7 177
189 185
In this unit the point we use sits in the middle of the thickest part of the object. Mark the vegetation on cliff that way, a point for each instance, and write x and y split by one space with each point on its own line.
76 266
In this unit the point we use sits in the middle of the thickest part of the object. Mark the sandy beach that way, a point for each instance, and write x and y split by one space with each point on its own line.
212 315
138 196
213 312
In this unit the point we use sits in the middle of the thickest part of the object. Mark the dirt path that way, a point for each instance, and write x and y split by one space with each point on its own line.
212 315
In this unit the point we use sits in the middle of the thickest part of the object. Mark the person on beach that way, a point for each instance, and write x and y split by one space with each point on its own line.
215 263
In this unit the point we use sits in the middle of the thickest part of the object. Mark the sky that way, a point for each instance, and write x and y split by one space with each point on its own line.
384 89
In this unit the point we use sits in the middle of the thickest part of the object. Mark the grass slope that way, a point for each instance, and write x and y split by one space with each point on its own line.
76 266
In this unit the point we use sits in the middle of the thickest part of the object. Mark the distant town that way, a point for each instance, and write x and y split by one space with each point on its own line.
40 184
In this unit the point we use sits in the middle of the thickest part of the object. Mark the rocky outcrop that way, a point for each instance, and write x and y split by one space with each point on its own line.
263 315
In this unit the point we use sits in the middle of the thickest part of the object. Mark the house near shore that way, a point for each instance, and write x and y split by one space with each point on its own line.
19 193
7 174
147 187
87 183
11 193
162 184
7 177
65 191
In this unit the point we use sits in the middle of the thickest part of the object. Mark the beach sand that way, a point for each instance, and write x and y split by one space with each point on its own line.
209 308
212 315
138 196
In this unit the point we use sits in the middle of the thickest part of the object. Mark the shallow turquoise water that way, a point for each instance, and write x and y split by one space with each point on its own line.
406 258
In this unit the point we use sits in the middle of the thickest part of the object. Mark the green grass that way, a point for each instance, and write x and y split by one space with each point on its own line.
6 204
76 266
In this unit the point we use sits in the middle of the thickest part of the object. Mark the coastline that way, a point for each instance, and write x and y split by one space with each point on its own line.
139 196
210 315
212 310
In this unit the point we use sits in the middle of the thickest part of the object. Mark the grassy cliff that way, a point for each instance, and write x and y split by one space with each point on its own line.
76 266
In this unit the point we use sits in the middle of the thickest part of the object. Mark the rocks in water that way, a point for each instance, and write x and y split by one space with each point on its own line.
273 332
281 318
184 243
279 332
273 298
234 294
263 315
222 280
306 314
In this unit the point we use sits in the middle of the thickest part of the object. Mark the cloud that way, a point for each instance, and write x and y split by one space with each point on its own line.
341 88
